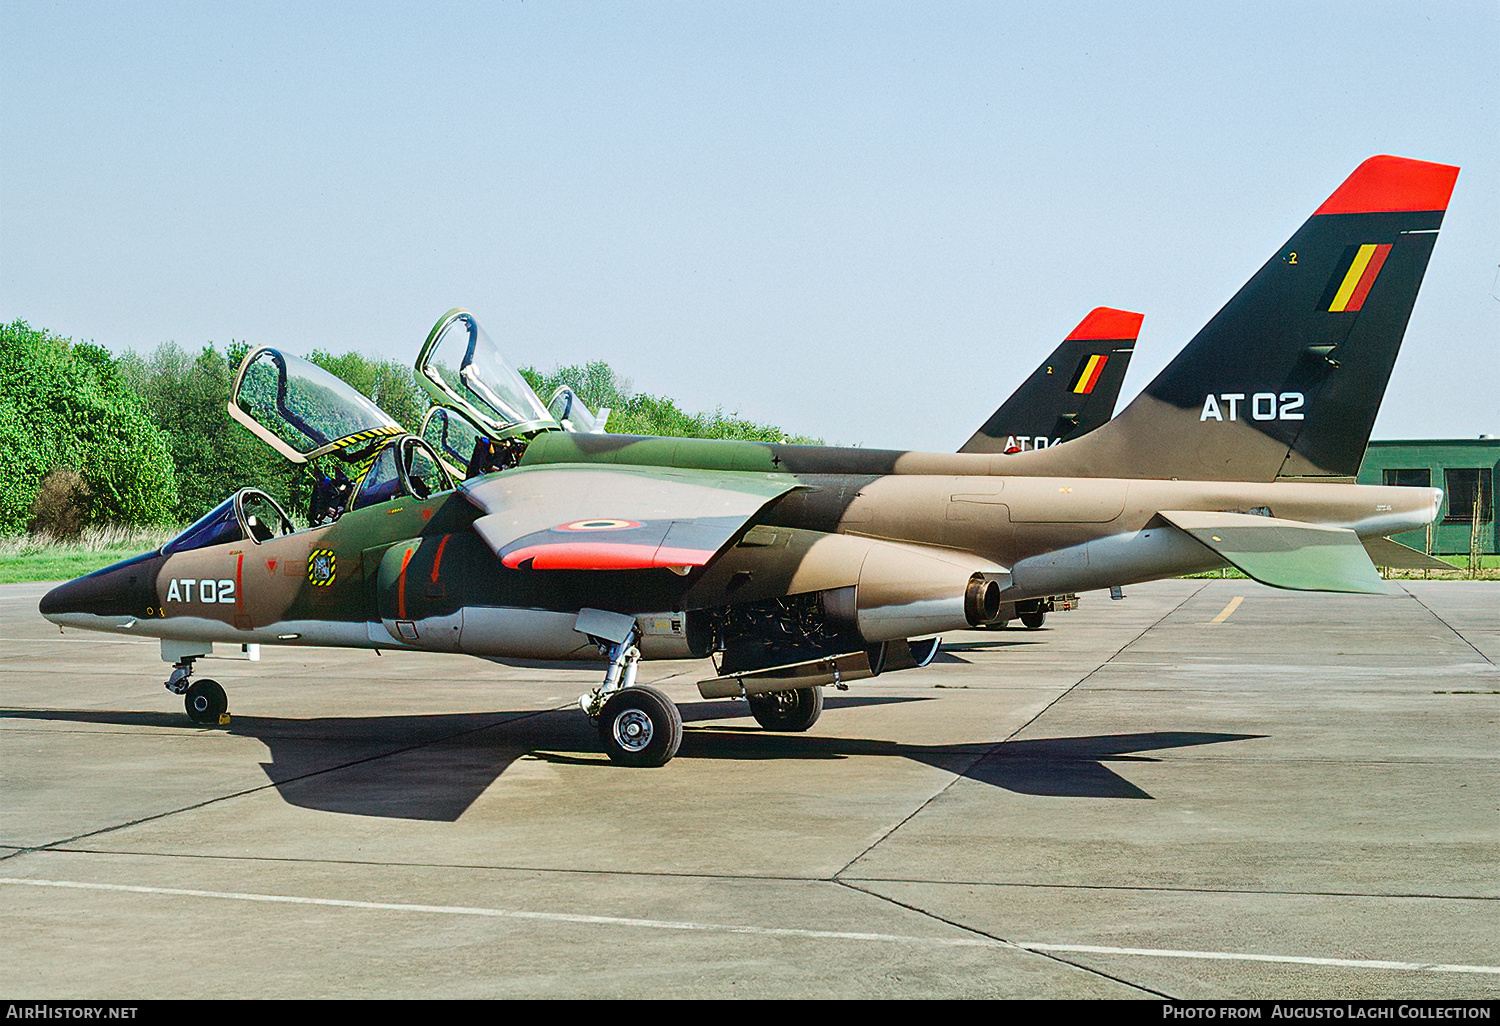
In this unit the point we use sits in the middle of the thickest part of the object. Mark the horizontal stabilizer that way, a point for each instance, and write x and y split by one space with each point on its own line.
1384 552
567 517
1284 553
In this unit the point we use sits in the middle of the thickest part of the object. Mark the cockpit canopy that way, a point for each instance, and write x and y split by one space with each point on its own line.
460 366
573 413
248 514
453 436
300 409
304 412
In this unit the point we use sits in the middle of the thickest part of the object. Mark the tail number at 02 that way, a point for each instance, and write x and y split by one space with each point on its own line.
1260 406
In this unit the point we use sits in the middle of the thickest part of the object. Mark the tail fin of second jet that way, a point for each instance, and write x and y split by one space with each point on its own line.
1285 381
1071 393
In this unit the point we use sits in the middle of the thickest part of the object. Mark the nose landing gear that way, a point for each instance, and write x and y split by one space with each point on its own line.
204 699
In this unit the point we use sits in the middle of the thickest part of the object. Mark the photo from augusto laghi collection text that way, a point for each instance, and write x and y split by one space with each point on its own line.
1260 1010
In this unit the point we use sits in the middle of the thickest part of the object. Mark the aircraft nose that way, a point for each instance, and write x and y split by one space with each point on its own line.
124 589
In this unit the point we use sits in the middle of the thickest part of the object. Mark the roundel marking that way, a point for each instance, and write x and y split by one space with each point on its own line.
598 524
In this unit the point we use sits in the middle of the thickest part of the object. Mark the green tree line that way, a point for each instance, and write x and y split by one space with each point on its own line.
631 413
148 440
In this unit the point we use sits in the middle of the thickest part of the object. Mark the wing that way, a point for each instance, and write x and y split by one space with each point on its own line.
574 517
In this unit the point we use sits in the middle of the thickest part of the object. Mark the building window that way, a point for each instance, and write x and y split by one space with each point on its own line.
1464 488
1408 478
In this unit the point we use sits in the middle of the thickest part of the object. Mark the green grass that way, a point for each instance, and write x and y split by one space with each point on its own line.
44 558
1489 570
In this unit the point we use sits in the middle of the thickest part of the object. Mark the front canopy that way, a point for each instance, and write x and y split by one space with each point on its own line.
248 513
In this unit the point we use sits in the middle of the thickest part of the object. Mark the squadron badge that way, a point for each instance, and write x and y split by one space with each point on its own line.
322 567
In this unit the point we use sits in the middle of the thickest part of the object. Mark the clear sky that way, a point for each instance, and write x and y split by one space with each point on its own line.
865 221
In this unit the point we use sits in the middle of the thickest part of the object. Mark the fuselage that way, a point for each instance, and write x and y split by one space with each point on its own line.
413 574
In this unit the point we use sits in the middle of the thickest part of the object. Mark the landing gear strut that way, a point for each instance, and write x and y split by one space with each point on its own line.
638 725
204 699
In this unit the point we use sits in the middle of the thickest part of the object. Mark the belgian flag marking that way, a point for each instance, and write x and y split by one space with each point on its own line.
1088 374
1360 267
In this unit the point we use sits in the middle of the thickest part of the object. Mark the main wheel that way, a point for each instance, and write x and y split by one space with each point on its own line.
1034 619
640 726
205 701
794 710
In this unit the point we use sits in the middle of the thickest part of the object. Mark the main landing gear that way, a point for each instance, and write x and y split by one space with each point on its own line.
791 711
204 699
638 725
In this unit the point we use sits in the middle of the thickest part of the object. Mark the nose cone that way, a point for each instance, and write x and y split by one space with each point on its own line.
124 590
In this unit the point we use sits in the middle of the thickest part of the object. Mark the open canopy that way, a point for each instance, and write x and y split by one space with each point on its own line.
301 410
460 366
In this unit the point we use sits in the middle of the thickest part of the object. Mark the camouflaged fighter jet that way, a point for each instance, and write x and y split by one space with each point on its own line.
796 567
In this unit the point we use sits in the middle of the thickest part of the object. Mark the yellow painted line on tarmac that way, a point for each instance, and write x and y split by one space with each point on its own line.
1228 610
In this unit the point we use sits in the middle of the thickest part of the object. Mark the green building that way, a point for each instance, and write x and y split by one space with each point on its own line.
1464 468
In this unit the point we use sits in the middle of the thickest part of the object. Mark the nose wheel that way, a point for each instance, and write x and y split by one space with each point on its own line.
205 701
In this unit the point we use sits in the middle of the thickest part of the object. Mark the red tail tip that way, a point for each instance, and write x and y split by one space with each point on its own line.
1104 322
1387 184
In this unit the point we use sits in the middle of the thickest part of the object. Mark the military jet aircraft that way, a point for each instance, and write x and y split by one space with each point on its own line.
797 567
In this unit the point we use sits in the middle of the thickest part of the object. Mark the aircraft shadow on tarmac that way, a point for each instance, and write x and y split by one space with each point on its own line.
434 767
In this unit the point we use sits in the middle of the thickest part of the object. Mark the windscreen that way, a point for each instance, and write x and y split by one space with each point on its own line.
219 525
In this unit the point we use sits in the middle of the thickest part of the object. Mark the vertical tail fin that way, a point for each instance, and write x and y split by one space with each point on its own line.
1071 393
1286 380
